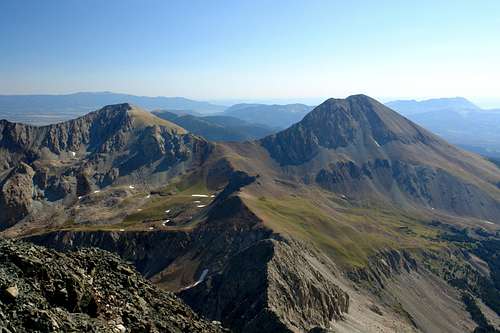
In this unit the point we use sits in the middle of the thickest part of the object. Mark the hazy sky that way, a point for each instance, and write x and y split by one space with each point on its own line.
252 49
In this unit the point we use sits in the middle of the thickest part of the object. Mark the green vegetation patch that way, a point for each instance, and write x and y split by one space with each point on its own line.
176 197
351 235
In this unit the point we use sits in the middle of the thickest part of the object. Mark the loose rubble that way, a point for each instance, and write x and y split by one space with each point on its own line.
85 291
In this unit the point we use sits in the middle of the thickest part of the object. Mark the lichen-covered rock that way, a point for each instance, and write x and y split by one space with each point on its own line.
86 291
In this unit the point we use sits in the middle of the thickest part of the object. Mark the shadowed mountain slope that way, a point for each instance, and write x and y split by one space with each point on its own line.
218 128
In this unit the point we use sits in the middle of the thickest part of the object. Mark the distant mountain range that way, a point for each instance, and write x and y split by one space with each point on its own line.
239 122
281 116
47 109
457 120
411 107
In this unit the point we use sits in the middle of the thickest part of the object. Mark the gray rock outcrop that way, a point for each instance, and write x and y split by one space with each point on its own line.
86 291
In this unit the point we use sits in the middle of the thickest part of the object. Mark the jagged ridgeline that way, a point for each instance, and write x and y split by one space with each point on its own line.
118 144
353 220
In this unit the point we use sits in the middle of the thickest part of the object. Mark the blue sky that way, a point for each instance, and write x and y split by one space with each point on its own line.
252 49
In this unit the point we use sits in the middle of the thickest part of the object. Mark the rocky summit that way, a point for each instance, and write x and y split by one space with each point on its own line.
84 291
44 169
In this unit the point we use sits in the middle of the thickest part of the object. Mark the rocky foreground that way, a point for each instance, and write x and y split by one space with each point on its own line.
85 291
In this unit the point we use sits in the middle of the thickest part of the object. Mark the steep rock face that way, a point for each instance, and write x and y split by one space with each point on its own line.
85 291
382 267
422 298
421 184
102 131
115 144
16 195
274 285
175 258
339 123
150 252
110 132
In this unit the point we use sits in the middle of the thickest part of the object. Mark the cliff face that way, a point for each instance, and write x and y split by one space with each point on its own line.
16 195
273 285
101 131
85 291
251 281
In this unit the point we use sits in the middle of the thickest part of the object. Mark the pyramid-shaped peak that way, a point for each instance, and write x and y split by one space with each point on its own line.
359 122
357 112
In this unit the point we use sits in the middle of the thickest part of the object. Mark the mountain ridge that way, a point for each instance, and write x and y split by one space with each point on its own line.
217 128
271 115
459 122
409 107
365 137
354 198
118 143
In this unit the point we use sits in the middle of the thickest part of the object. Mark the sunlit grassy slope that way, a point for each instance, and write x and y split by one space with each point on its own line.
348 235
143 118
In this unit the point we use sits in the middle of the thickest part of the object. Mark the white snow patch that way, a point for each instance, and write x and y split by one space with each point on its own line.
201 206
165 222
139 209
151 228
80 198
122 230
73 153
131 187
200 280
489 222
148 196
199 195
97 191
376 143
167 211
212 196
197 201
